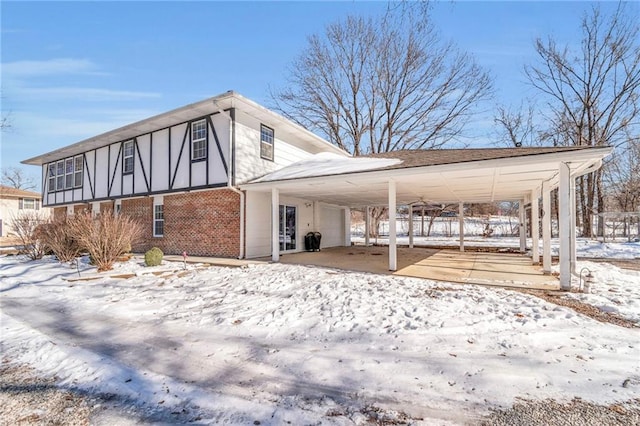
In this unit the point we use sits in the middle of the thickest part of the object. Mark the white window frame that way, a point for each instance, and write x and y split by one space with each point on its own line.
59 175
78 171
267 138
158 220
52 177
28 204
127 168
199 140
69 168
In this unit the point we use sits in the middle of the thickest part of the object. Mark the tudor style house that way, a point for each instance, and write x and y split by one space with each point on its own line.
178 173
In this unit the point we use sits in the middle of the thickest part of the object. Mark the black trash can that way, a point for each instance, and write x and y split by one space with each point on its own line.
309 241
316 241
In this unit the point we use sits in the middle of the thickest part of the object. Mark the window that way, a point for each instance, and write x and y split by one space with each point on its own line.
158 220
52 177
68 173
28 204
60 175
77 174
198 140
65 174
127 157
266 142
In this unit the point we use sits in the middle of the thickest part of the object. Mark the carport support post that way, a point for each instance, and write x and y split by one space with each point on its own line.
410 225
546 228
275 224
367 224
523 235
461 224
535 227
564 225
347 227
572 198
393 259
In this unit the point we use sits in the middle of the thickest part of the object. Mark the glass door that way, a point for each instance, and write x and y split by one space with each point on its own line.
287 228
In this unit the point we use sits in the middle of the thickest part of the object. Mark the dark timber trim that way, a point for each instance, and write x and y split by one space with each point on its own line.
148 194
215 136
85 166
175 171
144 174
115 170
232 114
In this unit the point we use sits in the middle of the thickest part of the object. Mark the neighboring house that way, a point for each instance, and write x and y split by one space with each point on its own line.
13 202
228 177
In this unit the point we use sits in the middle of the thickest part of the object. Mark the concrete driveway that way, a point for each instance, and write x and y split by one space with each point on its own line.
499 269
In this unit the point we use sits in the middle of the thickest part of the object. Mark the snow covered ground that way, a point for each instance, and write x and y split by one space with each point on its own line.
280 344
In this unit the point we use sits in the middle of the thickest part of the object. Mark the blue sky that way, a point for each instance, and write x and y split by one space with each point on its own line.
73 70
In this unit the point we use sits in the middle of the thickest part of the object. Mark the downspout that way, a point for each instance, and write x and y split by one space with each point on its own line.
231 115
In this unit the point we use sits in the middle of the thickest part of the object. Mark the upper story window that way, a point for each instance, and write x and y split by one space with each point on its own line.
65 174
28 204
127 157
199 140
266 142
77 172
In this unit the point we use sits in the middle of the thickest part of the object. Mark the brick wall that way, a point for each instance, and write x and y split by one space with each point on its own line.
59 213
106 206
81 208
205 223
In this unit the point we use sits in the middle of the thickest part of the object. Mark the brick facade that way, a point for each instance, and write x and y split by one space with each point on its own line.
205 223
106 206
59 213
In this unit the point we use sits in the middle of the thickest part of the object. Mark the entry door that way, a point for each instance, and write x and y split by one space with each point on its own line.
288 221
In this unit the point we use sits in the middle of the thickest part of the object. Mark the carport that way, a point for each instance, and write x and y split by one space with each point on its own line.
524 175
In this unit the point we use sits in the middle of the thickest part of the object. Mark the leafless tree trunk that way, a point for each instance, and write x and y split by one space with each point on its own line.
593 93
383 84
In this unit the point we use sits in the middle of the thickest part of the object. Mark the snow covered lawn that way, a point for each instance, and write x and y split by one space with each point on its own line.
280 344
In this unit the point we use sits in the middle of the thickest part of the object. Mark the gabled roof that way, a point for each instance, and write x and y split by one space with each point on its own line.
192 111
9 192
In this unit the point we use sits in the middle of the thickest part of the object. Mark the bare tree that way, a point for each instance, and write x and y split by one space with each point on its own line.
26 226
15 177
383 84
515 127
593 93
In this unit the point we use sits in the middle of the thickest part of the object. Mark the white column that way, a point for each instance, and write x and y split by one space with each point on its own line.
564 213
347 227
572 205
523 235
535 227
367 224
410 225
546 228
275 224
393 259
461 224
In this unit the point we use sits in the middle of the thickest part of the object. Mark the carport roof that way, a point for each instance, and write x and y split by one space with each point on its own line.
438 176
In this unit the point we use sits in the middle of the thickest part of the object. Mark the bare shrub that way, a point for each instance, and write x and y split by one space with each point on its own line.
105 237
58 237
26 226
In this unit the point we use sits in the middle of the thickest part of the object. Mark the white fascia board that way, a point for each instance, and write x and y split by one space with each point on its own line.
567 157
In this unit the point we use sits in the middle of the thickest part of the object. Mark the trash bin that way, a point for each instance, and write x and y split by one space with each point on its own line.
309 241
316 241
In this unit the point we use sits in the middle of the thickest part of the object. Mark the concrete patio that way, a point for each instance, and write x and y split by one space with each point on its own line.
496 269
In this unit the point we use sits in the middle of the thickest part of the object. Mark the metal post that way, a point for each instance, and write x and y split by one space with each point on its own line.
410 225
461 224
546 228
393 259
535 227
367 224
523 236
275 224
572 200
564 225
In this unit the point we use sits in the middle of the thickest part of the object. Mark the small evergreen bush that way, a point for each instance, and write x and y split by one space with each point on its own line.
153 257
